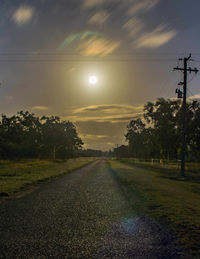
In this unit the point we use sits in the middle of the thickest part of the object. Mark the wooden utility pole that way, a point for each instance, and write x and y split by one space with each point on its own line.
183 95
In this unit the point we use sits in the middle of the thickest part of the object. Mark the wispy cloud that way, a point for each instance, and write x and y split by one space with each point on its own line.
133 26
112 113
40 108
90 43
141 6
96 46
23 15
94 136
194 97
103 142
110 119
99 18
156 38
92 3
136 25
108 108
103 126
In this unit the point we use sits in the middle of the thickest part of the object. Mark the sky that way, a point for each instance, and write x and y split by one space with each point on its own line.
50 48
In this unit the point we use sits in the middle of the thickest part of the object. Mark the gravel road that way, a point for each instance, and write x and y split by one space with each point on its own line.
80 215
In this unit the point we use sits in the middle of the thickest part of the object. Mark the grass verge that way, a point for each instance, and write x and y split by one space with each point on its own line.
172 203
170 170
16 176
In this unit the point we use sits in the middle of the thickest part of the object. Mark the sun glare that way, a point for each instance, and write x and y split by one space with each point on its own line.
93 80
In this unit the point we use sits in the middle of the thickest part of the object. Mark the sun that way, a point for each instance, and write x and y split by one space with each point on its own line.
93 80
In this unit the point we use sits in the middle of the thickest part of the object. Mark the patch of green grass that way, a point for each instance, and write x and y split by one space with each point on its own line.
16 175
170 170
174 204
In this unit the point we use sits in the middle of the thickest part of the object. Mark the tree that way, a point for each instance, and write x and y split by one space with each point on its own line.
159 135
162 115
59 137
31 133
193 130
25 135
135 137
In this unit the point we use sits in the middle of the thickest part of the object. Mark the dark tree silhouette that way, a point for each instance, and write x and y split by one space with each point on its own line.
158 135
26 136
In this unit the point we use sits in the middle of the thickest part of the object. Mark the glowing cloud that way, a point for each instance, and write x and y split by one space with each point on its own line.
40 108
133 26
91 3
195 97
94 136
99 18
156 38
23 15
90 43
109 108
142 6
80 36
97 47
113 113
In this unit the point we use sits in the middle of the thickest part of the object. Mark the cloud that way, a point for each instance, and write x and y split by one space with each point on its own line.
94 136
95 46
142 6
133 26
110 119
96 141
99 18
101 135
194 97
87 4
113 113
156 38
108 108
90 43
40 108
77 37
23 15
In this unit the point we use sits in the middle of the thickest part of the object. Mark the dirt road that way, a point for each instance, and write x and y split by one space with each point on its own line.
80 215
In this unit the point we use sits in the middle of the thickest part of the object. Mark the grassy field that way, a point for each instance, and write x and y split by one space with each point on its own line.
16 176
169 168
163 196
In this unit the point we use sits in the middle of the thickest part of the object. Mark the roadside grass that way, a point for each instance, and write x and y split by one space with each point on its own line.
170 170
169 201
16 176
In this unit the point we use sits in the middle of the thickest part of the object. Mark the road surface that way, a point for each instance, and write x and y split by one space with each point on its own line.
80 215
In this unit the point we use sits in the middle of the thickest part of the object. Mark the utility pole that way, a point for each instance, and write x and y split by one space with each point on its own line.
183 95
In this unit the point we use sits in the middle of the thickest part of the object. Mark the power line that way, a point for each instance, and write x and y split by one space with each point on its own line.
190 93
76 53
192 78
87 60
76 57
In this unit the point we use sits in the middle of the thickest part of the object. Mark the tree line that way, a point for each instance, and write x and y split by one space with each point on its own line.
158 133
25 135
